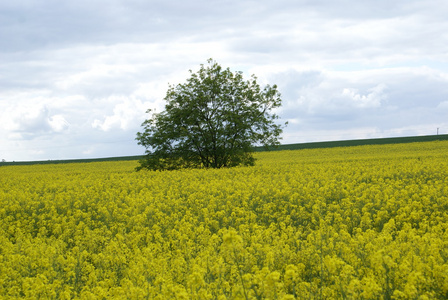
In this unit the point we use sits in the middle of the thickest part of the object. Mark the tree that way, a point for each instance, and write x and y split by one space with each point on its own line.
214 120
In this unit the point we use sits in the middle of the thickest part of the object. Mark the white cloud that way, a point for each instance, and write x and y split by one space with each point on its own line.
27 118
58 123
443 105
127 114
28 122
372 99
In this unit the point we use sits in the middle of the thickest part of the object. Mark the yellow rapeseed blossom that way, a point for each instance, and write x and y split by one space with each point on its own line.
367 222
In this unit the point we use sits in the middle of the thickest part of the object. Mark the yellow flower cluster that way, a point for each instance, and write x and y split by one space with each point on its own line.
368 222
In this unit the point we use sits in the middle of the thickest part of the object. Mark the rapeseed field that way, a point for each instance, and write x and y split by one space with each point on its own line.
367 222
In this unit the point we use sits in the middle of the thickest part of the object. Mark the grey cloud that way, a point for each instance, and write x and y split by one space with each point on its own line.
329 103
417 89
93 64
313 93
43 24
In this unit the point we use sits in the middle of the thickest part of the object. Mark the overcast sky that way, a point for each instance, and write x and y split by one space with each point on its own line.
77 76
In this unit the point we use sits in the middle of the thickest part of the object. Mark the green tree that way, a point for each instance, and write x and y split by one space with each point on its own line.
214 120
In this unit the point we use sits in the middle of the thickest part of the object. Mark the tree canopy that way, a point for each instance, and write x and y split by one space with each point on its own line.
213 120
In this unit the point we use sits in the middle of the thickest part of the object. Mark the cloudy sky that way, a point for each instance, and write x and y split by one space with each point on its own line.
77 76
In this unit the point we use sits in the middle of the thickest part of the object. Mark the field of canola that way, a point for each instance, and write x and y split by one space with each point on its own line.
368 222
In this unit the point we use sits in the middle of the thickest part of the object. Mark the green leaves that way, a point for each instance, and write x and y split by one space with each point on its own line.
211 121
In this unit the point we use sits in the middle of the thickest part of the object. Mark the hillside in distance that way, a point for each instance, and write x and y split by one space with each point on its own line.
298 146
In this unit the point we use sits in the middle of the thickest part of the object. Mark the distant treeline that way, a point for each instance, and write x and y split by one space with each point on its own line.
68 161
348 143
